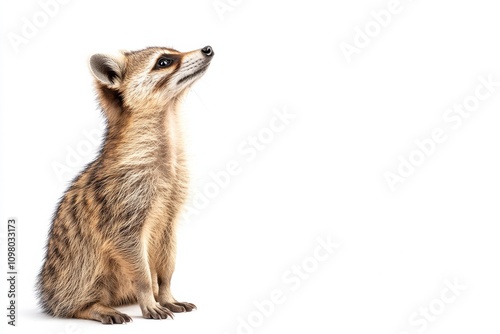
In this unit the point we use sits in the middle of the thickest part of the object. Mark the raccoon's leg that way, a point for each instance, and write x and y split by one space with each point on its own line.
166 266
149 307
135 265
154 282
104 314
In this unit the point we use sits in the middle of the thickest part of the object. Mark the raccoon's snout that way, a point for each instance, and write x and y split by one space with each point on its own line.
208 51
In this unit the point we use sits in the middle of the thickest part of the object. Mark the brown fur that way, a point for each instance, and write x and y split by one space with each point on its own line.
112 240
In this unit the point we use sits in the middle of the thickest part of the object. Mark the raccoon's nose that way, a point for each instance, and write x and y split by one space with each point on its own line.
207 51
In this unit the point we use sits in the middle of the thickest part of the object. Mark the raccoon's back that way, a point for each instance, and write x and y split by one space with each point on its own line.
70 263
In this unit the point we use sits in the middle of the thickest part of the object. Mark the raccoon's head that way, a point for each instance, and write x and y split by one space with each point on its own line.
147 79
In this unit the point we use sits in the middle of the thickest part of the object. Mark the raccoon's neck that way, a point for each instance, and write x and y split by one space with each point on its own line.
149 141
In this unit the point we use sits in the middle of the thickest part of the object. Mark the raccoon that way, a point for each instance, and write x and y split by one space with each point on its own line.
112 240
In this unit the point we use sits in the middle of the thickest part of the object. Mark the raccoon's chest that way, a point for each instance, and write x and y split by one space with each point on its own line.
173 144
173 179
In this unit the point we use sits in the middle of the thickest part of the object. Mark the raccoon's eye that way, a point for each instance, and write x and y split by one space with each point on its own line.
164 62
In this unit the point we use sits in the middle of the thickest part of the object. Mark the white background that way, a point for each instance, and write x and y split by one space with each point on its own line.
321 177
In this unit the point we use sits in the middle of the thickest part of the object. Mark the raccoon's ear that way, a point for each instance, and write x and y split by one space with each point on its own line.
107 69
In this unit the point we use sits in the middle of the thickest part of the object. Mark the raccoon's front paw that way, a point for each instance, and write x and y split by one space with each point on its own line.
179 307
156 311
